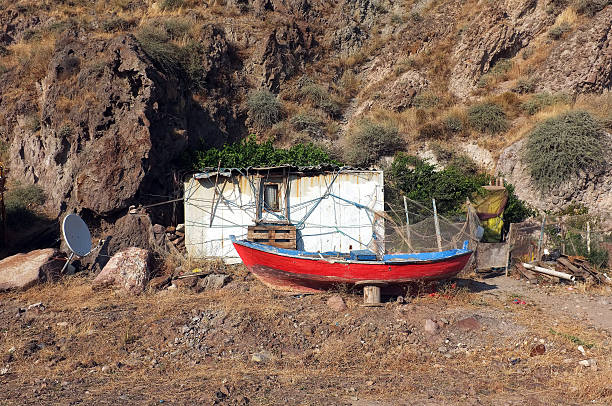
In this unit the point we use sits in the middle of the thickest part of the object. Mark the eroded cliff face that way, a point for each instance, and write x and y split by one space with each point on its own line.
583 62
500 31
113 125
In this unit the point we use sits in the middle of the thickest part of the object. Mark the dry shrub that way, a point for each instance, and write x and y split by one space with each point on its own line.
488 118
370 141
561 148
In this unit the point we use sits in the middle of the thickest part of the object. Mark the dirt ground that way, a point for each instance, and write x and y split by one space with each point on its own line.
246 344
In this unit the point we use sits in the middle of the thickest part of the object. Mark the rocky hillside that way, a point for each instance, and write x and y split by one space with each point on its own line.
100 100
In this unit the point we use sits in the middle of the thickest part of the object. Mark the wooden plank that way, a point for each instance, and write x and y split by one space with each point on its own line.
531 276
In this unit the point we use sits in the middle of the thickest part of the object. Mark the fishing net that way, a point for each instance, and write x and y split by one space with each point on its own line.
414 227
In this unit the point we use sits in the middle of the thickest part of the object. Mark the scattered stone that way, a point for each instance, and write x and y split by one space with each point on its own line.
37 306
336 303
261 357
442 349
431 326
106 368
22 271
128 269
588 363
539 349
308 331
581 349
469 324
212 282
4 370
62 324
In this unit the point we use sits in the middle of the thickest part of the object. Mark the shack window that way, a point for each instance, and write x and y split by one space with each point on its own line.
271 196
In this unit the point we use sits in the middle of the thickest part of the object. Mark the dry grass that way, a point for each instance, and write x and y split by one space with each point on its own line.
105 328
567 16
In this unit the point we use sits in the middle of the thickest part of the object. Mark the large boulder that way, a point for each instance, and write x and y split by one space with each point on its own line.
128 270
22 271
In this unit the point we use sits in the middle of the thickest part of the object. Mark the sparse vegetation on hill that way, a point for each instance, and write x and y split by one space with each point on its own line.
565 147
488 118
370 141
264 108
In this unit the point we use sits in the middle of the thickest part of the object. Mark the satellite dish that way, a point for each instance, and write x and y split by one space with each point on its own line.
76 235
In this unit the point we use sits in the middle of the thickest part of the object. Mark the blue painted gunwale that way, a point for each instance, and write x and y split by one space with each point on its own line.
420 257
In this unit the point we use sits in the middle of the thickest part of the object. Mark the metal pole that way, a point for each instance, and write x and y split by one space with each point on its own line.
212 206
437 224
67 262
407 226
588 237
541 237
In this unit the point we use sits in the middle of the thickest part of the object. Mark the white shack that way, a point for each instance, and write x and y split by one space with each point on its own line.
323 208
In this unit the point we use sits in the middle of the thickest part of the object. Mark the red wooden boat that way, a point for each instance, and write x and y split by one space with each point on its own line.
302 271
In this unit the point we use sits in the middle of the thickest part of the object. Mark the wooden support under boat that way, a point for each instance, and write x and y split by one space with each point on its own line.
371 295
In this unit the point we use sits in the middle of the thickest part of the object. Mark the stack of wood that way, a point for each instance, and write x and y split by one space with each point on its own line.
176 237
563 268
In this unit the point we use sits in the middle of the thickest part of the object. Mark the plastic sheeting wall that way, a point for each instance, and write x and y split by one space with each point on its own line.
322 207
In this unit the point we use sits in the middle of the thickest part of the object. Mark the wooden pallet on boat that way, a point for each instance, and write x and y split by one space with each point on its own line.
281 236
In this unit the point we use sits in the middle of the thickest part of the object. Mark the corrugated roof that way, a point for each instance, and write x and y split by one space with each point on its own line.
228 172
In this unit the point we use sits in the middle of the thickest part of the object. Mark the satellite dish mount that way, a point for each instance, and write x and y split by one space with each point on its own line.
77 237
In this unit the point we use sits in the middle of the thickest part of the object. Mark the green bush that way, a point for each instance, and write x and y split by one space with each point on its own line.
114 24
20 203
320 98
560 148
540 100
500 67
155 42
371 141
421 181
525 85
32 122
516 210
453 124
576 245
264 108
557 31
487 118
433 131
425 100
590 7
249 153
308 123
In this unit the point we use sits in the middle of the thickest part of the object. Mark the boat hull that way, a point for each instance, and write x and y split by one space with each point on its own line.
302 274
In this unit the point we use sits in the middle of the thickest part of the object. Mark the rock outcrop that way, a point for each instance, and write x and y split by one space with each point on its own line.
128 270
399 94
501 31
583 61
22 271
287 49
112 124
